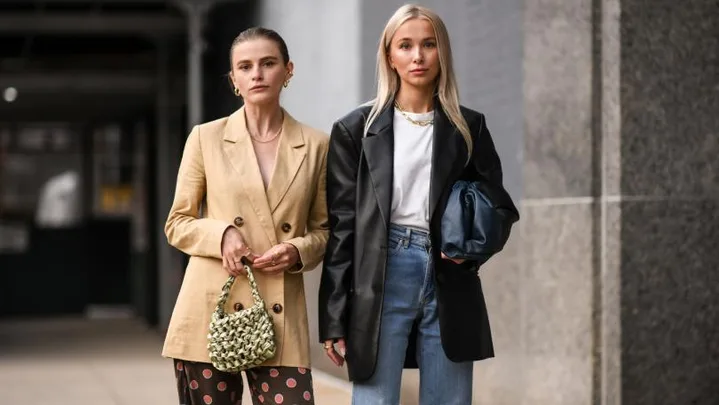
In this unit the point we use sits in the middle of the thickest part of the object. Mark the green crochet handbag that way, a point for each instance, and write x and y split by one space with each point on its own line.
244 339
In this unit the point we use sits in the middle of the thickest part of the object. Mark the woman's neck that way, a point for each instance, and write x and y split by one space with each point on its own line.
415 100
263 121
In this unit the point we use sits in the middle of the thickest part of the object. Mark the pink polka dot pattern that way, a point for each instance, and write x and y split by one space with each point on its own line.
202 384
281 385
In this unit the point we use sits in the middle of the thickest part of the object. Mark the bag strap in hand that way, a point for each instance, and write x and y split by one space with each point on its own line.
228 285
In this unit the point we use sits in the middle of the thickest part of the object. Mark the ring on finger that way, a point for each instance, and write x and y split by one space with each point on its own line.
328 346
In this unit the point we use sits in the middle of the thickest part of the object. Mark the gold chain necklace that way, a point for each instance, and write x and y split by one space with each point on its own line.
421 123
279 131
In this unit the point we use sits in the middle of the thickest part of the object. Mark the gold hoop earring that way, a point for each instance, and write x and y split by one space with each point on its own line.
287 83
237 92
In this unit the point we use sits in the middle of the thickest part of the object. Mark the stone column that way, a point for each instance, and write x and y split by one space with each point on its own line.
196 12
559 217
620 290
663 201
167 157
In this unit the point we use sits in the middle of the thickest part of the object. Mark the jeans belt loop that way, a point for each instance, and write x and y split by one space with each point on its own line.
407 237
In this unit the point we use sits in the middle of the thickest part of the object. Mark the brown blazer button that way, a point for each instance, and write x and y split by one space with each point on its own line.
286 227
238 307
277 308
239 221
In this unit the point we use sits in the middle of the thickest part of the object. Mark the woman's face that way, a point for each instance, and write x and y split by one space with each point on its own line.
258 70
413 53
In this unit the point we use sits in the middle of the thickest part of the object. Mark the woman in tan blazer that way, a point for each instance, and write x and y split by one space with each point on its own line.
261 175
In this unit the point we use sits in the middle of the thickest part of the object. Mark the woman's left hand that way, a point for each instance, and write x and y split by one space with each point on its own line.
456 261
279 258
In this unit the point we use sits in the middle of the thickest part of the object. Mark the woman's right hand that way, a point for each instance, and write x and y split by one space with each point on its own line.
233 250
455 261
337 357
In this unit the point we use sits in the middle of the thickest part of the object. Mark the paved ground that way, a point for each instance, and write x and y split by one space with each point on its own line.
99 362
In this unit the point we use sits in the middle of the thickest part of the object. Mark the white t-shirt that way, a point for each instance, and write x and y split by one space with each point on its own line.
412 171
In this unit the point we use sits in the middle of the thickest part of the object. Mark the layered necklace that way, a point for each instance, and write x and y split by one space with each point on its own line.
421 123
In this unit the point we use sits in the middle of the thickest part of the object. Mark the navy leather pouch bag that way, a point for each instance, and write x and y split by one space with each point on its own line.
477 221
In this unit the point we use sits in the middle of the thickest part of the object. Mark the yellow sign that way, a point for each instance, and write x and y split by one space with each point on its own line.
116 199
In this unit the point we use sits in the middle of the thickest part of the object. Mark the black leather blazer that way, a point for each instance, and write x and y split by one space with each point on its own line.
359 195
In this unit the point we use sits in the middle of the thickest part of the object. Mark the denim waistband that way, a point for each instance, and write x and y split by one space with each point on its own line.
409 236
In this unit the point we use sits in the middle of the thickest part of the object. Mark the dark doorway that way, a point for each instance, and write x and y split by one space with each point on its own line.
78 81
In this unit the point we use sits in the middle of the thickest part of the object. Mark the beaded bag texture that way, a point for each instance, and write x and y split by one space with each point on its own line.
244 339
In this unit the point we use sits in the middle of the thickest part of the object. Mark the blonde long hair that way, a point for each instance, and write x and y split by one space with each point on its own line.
388 81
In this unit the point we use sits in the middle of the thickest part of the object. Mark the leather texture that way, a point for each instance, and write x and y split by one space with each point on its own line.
477 221
359 195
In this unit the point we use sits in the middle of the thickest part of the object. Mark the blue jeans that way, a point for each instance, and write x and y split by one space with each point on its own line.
409 296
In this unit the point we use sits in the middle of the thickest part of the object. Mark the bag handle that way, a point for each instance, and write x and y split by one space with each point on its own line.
228 285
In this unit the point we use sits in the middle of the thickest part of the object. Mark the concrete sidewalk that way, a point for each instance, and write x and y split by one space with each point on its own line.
99 362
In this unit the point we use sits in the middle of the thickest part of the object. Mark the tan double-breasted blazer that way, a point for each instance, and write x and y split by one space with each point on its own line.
219 166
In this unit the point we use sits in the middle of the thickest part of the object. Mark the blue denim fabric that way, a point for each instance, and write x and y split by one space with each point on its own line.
409 296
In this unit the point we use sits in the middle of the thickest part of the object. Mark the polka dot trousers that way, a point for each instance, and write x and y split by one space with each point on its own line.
202 384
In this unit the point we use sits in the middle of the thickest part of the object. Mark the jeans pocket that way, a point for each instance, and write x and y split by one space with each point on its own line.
394 247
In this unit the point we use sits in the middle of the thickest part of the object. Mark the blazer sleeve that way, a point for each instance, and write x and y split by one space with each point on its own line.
342 164
485 159
486 165
311 246
184 228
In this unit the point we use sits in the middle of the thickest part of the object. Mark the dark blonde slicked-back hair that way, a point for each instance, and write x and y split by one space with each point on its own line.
261 32
388 82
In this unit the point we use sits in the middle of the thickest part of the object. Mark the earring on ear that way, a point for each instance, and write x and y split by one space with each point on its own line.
237 92
287 82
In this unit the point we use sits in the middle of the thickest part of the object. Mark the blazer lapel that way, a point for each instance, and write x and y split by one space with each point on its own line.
378 149
446 159
291 152
241 154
